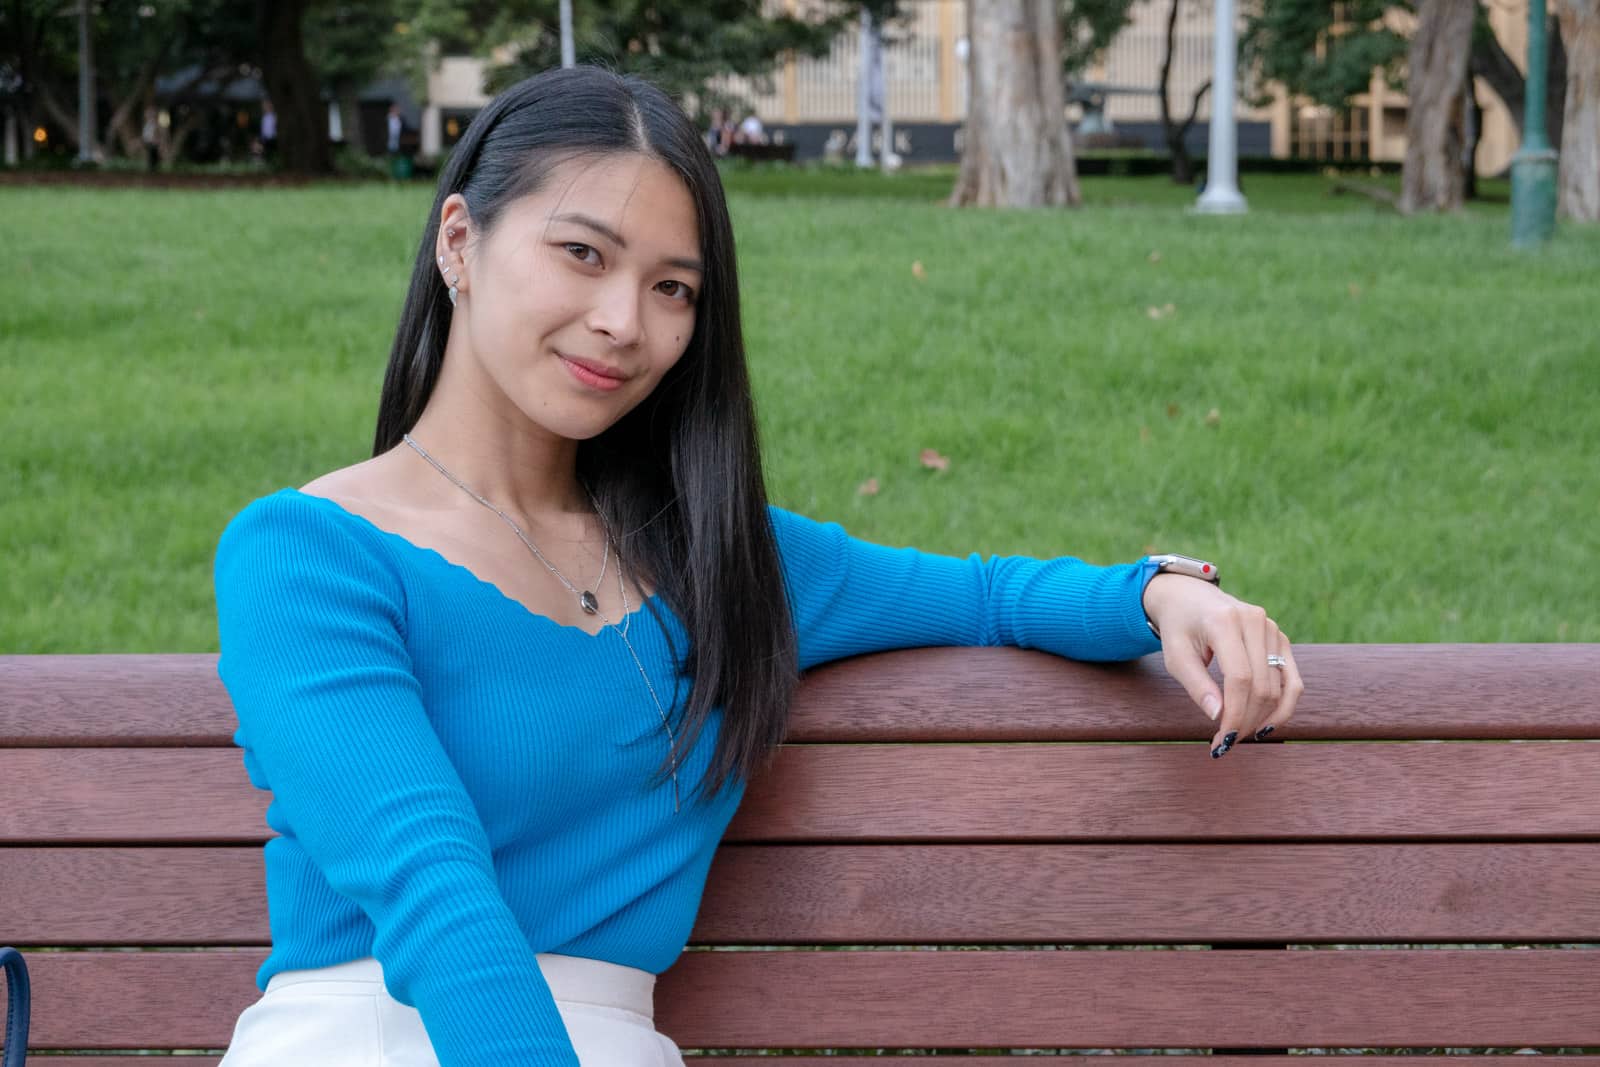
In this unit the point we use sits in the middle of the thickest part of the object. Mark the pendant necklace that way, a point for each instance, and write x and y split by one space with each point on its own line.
586 598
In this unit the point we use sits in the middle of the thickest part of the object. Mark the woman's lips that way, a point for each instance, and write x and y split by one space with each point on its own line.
594 375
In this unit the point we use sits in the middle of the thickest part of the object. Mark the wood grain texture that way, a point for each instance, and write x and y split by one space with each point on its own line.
1411 791
132 795
970 999
1105 894
1473 790
166 699
1398 692
163 896
924 894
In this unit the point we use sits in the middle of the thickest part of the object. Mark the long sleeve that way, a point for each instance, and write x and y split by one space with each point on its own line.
851 597
311 622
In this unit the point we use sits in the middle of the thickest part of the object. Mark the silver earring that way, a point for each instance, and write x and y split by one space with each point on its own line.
452 296
441 261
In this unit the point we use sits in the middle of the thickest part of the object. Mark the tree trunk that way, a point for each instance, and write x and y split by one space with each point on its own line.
1016 151
292 85
1472 134
1176 133
1580 141
1435 79
350 117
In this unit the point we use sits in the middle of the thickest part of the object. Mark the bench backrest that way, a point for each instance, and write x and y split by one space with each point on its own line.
956 850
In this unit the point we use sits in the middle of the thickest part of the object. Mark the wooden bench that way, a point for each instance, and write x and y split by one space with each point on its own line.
951 854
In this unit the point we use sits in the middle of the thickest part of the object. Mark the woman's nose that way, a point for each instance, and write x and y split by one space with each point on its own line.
616 314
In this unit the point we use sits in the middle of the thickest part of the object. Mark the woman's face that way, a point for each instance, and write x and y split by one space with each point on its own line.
584 294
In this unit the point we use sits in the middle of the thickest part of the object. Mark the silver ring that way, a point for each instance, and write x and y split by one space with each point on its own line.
1277 661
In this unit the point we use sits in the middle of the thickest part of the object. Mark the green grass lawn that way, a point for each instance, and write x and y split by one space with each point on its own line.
1405 445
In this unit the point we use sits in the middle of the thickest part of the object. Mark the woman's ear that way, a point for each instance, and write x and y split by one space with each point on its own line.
455 232
455 228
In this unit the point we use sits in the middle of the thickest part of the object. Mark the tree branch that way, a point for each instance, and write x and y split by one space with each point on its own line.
1194 108
67 120
1166 64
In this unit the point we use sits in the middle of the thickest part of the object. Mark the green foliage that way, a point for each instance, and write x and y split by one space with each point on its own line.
134 42
679 44
1320 50
350 44
1088 27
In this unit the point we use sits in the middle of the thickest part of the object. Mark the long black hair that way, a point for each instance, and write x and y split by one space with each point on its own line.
678 479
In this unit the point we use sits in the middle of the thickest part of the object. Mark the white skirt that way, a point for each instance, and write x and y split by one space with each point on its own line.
342 1016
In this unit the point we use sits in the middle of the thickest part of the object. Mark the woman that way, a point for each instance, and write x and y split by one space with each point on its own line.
506 679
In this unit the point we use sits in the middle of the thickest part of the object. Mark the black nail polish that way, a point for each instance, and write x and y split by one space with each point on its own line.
1264 731
1227 742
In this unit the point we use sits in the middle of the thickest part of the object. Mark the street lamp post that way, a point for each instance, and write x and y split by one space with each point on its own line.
1533 169
86 109
568 52
1222 196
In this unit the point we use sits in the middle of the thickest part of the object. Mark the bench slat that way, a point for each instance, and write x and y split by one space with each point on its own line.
1104 792
1341 894
1366 692
925 894
1261 792
969 999
1397 692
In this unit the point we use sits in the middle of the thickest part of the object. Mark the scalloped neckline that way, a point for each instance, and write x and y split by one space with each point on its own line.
473 575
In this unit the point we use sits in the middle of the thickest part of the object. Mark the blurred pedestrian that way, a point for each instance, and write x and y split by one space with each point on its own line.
150 137
269 132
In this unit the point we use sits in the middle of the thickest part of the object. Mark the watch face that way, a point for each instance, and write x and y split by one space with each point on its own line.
1194 568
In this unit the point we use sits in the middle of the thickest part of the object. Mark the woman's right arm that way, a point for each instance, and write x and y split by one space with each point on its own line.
311 623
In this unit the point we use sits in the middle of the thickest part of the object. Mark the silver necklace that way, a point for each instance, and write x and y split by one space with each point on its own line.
586 599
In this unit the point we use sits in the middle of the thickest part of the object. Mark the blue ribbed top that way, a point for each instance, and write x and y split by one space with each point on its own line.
459 783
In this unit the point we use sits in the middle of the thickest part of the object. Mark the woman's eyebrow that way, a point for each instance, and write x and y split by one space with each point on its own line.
686 262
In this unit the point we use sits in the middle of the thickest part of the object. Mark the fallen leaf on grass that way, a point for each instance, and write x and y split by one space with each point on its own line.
1172 411
1213 417
1160 312
933 461
868 488
916 270
1155 256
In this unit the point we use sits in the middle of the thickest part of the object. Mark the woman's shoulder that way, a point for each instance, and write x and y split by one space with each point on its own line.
336 508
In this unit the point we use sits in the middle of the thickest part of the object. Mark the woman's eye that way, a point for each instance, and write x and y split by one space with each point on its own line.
677 290
581 251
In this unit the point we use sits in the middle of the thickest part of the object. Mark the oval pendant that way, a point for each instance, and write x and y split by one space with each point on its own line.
587 601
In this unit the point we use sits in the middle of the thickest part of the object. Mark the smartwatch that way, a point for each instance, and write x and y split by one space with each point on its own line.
1170 563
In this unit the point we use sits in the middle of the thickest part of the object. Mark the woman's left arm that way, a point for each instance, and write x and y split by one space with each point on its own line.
850 597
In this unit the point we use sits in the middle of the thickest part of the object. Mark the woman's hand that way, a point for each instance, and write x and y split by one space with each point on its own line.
1197 621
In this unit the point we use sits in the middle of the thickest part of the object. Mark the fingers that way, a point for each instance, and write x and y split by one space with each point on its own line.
1188 665
1252 691
1293 686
